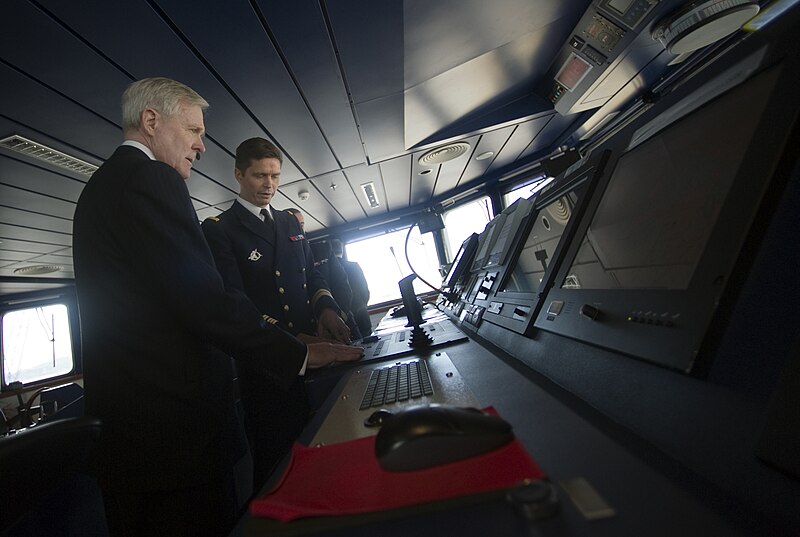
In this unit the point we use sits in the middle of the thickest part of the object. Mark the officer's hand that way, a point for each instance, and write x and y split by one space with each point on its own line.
324 354
309 339
331 326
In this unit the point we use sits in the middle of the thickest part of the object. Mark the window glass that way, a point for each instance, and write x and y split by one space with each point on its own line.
525 191
464 220
383 261
36 344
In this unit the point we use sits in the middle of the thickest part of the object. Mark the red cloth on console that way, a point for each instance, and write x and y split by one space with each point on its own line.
345 479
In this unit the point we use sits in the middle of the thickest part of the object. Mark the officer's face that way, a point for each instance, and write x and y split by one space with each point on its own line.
176 140
259 182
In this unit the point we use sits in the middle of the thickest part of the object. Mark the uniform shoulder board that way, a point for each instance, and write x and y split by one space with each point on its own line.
212 218
270 320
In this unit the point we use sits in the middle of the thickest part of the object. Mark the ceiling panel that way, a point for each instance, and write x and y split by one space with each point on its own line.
352 91
304 40
397 182
258 77
338 192
491 141
361 175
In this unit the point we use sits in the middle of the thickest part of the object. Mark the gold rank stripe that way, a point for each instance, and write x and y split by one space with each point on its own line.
270 320
319 294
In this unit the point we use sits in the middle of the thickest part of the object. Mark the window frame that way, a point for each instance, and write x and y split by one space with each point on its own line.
69 301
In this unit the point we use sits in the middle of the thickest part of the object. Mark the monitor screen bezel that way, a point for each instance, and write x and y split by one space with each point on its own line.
583 174
636 331
461 263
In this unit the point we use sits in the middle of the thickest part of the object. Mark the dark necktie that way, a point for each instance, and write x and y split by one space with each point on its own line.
269 222
268 219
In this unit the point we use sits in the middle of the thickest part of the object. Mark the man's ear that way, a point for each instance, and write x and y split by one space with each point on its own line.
150 120
237 173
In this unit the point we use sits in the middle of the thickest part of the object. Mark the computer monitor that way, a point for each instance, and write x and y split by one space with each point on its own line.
533 256
486 241
509 230
459 268
653 257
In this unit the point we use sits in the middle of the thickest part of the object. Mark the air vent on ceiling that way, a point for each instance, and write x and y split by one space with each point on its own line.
698 24
369 192
36 270
444 153
39 151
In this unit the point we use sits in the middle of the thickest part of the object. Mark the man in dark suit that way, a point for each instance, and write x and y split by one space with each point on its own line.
155 320
359 286
263 253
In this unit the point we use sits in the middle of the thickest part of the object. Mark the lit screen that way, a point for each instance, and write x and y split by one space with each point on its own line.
573 71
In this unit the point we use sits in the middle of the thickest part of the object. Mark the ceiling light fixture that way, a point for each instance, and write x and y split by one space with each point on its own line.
369 192
52 156
36 270
303 195
485 155
425 171
444 154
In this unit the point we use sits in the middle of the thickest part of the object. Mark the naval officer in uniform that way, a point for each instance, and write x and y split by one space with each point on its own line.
264 253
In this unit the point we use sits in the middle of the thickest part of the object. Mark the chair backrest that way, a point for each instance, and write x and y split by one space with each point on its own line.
43 460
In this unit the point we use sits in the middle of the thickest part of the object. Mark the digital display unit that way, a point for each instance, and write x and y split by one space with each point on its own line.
652 258
535 254
459 268
500 235
486 241
510 230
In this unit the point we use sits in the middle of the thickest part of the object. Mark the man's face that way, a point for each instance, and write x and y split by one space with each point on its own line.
178 139
259 182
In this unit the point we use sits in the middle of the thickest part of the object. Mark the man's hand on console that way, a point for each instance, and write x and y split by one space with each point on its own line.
331 326
325 354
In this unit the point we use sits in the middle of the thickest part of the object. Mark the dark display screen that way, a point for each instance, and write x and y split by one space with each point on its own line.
462 261
539 249
659 209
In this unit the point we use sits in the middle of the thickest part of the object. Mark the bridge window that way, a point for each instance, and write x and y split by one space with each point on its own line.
383 261
525 191
464 220
36 344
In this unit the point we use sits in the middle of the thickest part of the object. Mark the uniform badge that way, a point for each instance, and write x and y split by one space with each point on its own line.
295 238
255 255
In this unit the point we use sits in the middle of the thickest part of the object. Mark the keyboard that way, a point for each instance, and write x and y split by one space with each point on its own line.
342 417
397 383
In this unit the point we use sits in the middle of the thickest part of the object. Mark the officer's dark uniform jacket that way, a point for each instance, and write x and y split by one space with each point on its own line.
276 272
272 265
